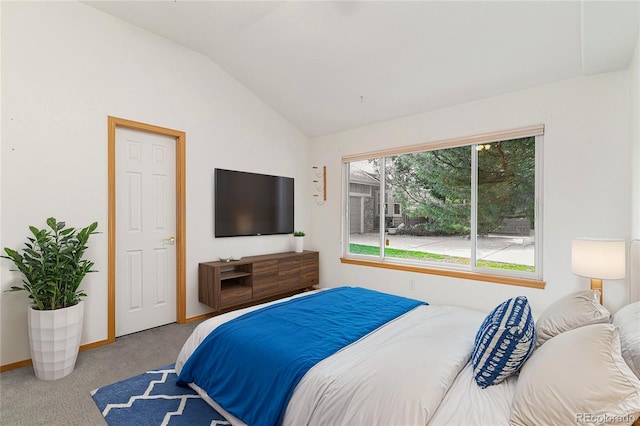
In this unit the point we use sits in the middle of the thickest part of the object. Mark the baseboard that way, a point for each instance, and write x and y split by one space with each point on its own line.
200 317
15 365
27 362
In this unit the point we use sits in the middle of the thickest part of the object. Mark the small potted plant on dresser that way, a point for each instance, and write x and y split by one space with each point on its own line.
298 241
53 267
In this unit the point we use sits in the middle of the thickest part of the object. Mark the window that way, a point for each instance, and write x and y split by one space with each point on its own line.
459 205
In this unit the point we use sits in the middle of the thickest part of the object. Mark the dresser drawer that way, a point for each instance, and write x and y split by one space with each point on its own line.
309 271
233 294
265 267
285 266
265 284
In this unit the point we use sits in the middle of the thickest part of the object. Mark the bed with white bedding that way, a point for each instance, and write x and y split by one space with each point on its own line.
416 370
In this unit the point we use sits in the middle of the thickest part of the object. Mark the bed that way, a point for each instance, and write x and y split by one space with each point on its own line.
436 365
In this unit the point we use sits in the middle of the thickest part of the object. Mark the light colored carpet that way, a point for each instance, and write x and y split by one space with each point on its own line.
26 400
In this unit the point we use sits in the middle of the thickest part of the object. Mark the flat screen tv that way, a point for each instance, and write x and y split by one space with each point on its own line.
252 204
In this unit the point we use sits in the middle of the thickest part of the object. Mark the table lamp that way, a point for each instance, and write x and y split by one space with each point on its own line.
598 260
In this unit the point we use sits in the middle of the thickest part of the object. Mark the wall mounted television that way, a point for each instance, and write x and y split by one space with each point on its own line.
252 204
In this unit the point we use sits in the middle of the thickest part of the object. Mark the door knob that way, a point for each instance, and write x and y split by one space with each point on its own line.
170 240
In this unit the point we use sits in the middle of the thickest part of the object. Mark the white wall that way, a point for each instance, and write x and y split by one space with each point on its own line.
65 68
634 73
586 184
634 158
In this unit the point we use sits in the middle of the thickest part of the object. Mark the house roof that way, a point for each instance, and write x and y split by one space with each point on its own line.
362 177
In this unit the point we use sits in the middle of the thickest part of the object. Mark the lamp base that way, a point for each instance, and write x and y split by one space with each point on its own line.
596 284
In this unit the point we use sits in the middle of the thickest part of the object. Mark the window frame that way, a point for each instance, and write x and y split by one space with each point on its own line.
471 271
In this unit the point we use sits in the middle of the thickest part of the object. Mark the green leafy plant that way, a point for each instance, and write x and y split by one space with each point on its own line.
52 264
298 234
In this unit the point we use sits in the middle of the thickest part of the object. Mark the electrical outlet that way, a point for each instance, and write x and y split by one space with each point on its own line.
412 285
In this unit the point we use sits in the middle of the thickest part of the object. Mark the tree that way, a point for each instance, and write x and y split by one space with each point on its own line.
506 183
436 185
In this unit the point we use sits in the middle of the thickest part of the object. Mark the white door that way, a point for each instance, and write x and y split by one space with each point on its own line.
145 231
356 212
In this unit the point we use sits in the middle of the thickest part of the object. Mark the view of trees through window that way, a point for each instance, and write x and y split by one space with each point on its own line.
467 205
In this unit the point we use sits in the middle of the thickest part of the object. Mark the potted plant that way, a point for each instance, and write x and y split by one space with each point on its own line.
298 241
53 267
391 229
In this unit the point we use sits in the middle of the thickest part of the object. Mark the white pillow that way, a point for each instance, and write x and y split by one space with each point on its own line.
579 377
627 320
569 312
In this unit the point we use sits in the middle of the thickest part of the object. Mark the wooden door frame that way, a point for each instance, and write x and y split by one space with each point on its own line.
180 138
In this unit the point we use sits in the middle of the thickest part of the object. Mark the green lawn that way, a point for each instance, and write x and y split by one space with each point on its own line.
420 255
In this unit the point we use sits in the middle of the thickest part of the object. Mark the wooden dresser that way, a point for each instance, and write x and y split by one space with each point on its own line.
229 285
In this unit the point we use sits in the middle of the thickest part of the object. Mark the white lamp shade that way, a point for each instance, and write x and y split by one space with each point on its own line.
601 259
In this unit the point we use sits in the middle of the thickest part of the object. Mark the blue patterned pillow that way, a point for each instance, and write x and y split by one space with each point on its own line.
504 342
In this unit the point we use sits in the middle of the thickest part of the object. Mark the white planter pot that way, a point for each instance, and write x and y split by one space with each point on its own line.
55 339
298 244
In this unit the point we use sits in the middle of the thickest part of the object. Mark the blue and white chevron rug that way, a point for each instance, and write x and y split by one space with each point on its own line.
153 398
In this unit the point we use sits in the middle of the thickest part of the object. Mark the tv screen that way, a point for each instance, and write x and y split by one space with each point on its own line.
252 204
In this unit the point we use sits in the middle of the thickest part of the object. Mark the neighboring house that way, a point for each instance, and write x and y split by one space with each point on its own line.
364 209
362 195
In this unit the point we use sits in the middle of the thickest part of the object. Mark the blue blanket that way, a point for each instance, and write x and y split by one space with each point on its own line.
252 364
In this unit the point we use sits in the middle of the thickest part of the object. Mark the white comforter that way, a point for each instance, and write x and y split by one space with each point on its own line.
397 375
468 404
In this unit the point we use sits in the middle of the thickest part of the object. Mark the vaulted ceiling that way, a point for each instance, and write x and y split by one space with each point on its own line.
328 66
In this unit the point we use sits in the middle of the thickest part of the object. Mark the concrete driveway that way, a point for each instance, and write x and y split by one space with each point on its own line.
497 248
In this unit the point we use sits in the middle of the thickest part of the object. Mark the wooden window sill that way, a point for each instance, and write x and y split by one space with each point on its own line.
468 275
